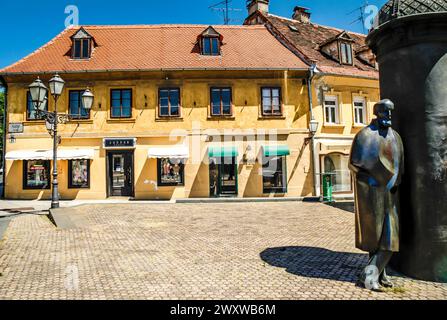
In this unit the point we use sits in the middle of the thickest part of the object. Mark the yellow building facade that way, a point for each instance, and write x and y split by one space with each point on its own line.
203 115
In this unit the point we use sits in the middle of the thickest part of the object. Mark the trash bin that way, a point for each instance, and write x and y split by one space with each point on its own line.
328 187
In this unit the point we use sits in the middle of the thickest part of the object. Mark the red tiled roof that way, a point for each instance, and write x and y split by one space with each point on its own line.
157 47
307 40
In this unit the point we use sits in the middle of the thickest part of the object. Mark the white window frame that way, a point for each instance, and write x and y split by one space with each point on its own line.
359 99
336 108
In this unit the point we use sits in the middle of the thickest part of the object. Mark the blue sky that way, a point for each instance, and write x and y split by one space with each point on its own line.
28 24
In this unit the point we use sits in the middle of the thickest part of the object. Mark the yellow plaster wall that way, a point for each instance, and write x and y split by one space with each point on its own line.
151 131
345 88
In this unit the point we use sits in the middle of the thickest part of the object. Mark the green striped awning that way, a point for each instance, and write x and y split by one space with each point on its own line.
219 152
276 151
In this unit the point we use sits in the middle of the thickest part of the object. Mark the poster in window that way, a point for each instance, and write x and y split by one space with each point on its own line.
79 173
170 171
37 174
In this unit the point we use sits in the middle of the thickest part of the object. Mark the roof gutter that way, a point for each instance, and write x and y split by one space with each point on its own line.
5 114
148 70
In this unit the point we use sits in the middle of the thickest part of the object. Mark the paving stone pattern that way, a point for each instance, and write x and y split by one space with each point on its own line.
192 251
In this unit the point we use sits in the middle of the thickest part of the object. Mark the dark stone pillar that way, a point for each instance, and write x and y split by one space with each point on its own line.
412 55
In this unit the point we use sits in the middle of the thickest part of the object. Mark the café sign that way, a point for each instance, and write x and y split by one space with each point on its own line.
120 143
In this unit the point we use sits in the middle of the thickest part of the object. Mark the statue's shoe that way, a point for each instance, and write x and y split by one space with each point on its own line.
372 285
376 287
386 282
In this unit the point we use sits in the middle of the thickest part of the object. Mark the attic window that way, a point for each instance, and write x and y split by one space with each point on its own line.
345 53
210 41
82 45
81 48
210 46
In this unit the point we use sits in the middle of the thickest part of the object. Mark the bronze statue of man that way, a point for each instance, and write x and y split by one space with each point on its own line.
377 163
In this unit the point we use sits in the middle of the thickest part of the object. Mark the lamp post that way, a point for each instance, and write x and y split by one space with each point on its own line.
313 129
38 93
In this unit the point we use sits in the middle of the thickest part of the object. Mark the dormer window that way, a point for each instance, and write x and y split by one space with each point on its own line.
82 45
210 41
345 53
339 48
210 46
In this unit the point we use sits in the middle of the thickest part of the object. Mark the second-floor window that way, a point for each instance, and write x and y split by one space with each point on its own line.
31 113
121 103
331 111
221 102
76 107
271 102
359 110
169 102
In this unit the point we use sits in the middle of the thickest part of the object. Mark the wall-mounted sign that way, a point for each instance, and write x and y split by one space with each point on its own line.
120 143
15 127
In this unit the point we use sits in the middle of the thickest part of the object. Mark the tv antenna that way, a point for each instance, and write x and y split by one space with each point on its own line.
225 9
361 17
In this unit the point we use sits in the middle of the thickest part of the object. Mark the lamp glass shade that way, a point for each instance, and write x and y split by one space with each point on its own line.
313 126
87 99
56 85
38 93
43 105
49 125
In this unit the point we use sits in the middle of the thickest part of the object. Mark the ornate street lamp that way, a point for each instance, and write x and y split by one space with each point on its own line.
313 127
38 93
87 99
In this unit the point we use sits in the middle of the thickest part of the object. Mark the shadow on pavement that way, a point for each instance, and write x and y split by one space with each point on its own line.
319 263
348 206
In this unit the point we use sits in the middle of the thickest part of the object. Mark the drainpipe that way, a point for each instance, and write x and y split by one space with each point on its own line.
5 86
316 173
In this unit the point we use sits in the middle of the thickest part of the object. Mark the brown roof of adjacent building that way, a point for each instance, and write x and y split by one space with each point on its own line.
305 39
158 47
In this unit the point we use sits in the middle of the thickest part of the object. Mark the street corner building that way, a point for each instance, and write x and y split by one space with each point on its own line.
193 111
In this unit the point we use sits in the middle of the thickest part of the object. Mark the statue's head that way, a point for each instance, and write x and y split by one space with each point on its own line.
383 111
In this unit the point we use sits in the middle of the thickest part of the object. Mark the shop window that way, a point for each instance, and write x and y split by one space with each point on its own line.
121 103
169 102
170 172
36 174
271 102
359 110
31 113
76 106
79 174
274 175
221 102
337 165
331 109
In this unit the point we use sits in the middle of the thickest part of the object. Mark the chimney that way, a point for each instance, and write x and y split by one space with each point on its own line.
301 14
257 5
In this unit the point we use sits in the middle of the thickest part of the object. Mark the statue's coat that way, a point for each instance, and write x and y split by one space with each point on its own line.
377 160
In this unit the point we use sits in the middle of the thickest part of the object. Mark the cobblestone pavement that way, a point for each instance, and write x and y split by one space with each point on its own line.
192 251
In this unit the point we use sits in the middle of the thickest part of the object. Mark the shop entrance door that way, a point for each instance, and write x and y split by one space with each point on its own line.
223 177
120 173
